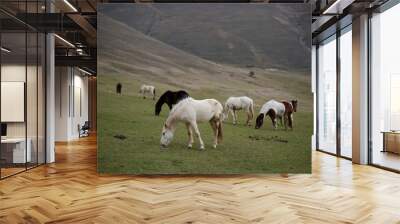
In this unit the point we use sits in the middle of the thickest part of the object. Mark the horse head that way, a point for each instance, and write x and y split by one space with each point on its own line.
259 121
159 104
158 108
157 113
294 104
224 114
167 135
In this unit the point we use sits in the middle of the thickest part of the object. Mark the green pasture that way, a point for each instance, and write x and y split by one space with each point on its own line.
129 139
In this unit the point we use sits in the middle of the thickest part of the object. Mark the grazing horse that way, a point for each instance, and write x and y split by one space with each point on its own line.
146 89
234 104
277 110
170 98
191 111
119 88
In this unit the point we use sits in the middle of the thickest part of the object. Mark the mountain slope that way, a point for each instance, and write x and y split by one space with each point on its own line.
124 51
129 51
260 35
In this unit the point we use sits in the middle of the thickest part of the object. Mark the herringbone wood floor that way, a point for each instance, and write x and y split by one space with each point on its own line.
70 191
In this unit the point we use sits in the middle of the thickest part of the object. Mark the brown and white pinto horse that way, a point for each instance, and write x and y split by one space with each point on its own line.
277 110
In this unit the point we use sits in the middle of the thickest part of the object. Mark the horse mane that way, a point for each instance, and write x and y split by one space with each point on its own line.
160 102
170 117
166 94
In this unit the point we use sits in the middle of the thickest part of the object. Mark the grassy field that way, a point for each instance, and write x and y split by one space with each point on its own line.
244 149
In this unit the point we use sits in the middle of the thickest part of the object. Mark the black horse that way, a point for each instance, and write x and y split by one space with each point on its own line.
119 88
170 98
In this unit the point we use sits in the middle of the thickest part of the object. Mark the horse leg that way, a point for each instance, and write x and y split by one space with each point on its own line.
285 118
273 119
291 121
233 115
214 126
219 131
196 130
190 134
226 114
249 118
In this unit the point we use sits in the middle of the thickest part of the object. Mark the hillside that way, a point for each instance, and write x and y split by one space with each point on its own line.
225 33
125 51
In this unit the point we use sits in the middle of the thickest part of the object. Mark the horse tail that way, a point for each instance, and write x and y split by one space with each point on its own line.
154 92
220 134
225 111
251 109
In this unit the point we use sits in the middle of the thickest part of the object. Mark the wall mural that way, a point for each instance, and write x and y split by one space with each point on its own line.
204 88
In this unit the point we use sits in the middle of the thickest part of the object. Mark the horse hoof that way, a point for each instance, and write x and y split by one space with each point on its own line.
201 147
189 146
214 146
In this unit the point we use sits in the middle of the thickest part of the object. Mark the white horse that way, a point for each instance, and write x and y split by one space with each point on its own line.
191 111
277 110
234 104
147 89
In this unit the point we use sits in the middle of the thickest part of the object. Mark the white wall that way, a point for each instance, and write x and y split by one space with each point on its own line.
62 83
16 73
33 126
11 73
81 94
71 94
